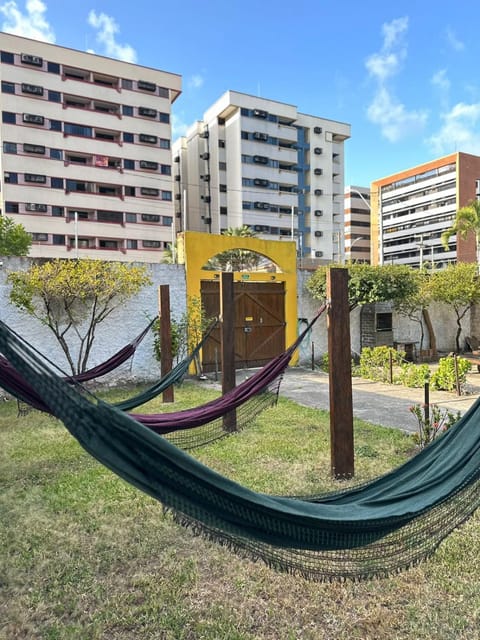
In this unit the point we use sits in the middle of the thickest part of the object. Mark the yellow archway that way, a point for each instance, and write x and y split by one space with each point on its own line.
195 249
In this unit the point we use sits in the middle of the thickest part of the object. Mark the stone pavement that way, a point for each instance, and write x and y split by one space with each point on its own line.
383 404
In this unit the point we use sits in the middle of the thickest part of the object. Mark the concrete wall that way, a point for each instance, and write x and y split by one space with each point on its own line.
127 322
117 331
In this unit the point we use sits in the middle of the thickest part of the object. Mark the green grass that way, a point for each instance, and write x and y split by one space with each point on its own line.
85 556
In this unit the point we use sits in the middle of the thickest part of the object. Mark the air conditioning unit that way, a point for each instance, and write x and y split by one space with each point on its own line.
34 148
145 137
260 113
260 159
147 112
317 129
260 182
205 178
178 196
205 156
318 213
205 198
146 86
148 164
204 134
260 136
318 172
33 118
317 151
318 254
32 206
177 178
176 159
207 220
318 234
26 58
265 206
318 192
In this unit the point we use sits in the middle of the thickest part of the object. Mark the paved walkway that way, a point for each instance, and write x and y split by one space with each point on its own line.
383 404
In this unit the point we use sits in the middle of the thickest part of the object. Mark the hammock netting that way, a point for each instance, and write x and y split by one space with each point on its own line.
373 529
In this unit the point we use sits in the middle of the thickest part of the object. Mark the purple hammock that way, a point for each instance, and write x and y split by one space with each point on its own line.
164 423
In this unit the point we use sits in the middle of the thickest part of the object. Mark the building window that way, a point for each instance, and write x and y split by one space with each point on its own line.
151 244
10 178
222 166
127 84
163 92
9 147
53 67
8 117
54 96
132 244
223 211
223 188
147 112
78 130
164 143
130 217
221 144
108 244
383 322
128 137
55 125
33 118
7 57
146 86
129 164
130 191
166 169
8 87
145 137
56 183
58 212
167 195
149 191
167 221
58 239
56 154
164 117
11 207
127 110
36 206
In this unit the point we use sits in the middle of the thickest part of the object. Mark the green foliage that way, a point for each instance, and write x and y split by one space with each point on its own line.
235 259
368 284
186 332
467 220
444 377
458 287
14 240
413 375
432 425
375 363
72 297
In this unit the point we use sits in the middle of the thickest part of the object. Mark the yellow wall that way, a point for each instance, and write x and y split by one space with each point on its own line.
195 249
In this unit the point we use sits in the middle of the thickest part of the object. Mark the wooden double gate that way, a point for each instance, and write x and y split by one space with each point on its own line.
259 323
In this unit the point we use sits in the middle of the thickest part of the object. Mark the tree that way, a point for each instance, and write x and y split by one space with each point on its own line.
14 240
457 286
368 283
236 259
72 297
415 306
467 220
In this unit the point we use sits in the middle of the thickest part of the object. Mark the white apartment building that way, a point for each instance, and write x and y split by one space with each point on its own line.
411 209
86 162
357 224
257 162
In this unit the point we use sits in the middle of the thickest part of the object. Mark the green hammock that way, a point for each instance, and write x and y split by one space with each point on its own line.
375 529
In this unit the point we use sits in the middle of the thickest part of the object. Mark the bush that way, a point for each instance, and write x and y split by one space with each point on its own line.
439 421
444 377
375 363
413 375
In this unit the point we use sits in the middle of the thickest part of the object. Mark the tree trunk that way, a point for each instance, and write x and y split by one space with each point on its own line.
431 332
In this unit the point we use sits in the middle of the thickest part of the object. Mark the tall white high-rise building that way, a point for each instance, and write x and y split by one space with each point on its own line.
86 162
257 162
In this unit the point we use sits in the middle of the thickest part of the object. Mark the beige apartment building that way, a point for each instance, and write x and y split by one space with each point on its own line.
262 163
86 163
357 224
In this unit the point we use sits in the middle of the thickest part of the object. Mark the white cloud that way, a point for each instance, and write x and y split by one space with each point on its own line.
393 118
31 24
460 130
196 81
107 29
391 115
179 127
440 80
453 41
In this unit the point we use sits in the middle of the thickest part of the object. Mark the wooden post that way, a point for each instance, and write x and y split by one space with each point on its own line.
166 359
227 311
340 374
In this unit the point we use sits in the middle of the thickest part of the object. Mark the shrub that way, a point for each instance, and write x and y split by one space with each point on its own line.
438 421
444 377
375 362
413 375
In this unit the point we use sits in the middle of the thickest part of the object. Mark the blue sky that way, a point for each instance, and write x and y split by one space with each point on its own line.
404 75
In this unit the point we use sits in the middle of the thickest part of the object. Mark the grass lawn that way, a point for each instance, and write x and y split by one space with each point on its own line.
85 556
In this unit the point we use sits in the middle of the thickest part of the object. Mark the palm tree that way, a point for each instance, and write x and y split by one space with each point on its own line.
467 220
236 259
